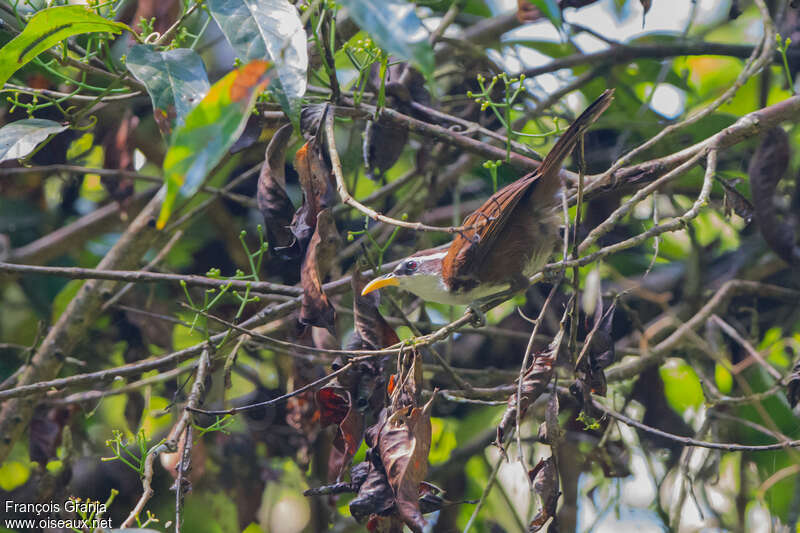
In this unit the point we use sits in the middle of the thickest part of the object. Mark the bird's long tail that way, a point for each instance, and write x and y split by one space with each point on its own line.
551 165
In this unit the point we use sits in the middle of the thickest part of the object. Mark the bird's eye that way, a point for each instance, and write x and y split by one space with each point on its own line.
411 265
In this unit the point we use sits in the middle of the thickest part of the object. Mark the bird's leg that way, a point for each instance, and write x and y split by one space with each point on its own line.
517 284
478 316
552 276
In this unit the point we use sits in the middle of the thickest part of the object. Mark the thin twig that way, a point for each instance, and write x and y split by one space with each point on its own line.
731 331
760 56
280 399
119 173
486 490
341 188
524 368
142 276
173 240
87 396
195 399
688 441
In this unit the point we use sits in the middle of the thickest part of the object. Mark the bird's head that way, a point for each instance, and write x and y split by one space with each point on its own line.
418 274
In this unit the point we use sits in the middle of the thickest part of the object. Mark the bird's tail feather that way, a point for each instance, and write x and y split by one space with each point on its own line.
551 165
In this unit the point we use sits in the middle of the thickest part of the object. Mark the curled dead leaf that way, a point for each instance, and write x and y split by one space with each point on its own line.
271 197
534 383
46 429
383 145
375 496
544 477
767 167
404 443
319 190
613 458
793 387
316 309
118 154
384 142
336 406
736 201
371 331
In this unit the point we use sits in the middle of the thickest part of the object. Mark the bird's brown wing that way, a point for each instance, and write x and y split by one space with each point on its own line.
469 250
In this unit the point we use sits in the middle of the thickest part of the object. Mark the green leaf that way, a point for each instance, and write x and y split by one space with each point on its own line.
209 131
394 25
723 378
46 29
19 138
65 296
176 81
13 474
550 10
682 387
268 29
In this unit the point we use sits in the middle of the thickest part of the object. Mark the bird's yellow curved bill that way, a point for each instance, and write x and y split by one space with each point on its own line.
377 283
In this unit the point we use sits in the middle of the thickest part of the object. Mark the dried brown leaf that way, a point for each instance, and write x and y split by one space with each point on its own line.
407 387
372 332
404 443
545 483
383 146
384 524
601 345
336 406
793 387
375 496
613 458
46 429
736 201
319 190
333 404
767 167
550 430
118 154
273 202
346 443
534 384
316 309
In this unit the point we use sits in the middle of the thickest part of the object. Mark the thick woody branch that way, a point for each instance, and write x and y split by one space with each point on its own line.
72 325
71 236
625 53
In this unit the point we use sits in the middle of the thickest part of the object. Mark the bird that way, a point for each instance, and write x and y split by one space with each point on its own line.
504 242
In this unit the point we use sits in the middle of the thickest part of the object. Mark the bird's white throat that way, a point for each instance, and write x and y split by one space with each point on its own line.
430 287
